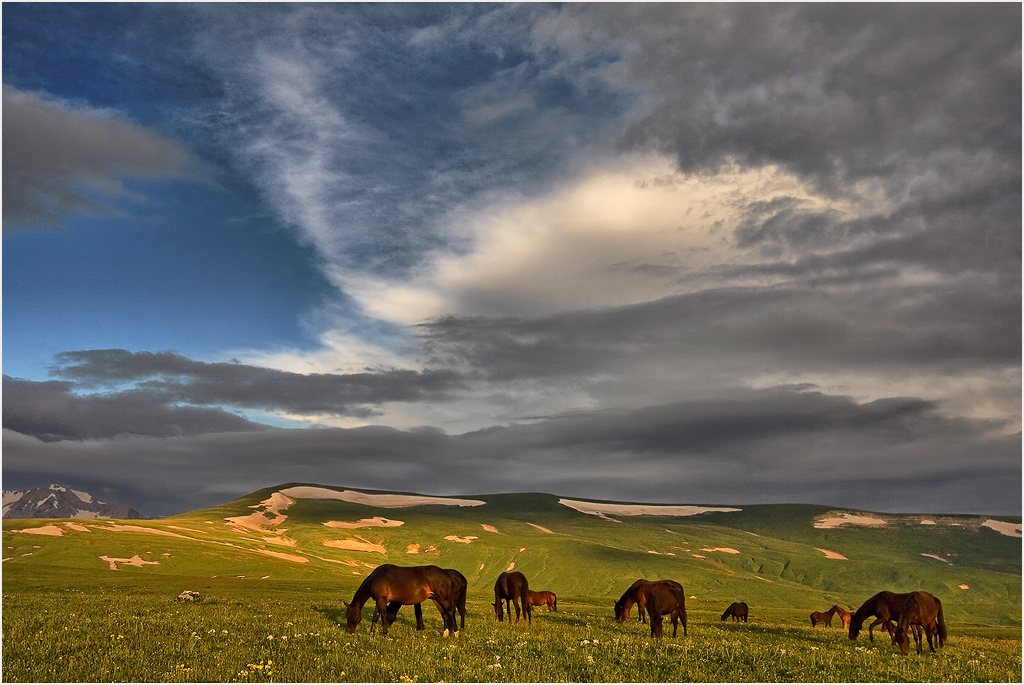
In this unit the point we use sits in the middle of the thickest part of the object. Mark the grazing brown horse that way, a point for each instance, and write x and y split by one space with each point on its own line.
844 615
512 586
459 586
390 585
631 596
885 606
637 594
920 609
823 617
738 611
665 597
542 598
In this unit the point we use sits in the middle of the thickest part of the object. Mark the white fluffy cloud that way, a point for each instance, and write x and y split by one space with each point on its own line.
625 231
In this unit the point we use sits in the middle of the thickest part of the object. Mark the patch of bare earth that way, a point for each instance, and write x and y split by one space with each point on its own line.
375 522
284 555
466 540
540 528
489 529
359 545
52 530
830 554
386 501
136 560
1011 529
834 519
727 550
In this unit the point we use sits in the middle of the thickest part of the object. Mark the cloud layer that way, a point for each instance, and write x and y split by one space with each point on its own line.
60 158
655 251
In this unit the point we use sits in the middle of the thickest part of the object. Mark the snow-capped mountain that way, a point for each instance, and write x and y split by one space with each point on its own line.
58 502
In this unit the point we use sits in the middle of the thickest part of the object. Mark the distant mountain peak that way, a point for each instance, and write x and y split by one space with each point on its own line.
59 502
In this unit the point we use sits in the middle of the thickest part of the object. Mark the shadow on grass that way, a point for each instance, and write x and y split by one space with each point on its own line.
334 615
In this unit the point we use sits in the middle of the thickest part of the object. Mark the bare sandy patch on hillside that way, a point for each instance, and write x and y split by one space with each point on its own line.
1011 529
375 522
356 545
936 556
489 529
76 526
284 555
727 550
124 528
541 528
270 516
466 540
412 549
842 518
133 561
829 554
52 530
283 541
386 501
603 510
964 586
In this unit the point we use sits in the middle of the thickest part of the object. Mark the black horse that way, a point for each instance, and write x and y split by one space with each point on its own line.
512 586
389 585
738 611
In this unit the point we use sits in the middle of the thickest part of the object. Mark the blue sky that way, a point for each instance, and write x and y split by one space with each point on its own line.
677 253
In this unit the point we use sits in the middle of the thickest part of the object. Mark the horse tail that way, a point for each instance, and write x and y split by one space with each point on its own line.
942 623
554 602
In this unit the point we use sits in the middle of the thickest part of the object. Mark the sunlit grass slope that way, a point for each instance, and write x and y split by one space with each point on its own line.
95 600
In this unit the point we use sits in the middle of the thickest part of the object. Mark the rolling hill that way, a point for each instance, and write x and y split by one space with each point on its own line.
791 558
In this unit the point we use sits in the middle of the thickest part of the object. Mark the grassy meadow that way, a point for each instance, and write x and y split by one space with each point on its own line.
68 616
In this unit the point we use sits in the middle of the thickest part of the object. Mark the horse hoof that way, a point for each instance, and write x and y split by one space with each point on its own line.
445 633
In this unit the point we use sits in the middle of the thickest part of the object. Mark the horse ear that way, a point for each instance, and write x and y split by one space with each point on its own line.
345 603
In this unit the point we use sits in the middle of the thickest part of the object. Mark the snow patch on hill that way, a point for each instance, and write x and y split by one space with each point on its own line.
385 501
603 510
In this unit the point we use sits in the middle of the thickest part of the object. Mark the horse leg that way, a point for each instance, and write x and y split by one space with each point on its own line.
382 611
418 610
656 625
675 622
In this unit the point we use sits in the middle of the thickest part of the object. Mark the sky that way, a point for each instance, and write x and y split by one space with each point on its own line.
667 253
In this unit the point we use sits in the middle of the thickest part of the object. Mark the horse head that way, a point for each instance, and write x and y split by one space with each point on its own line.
353 615
620 612
855 623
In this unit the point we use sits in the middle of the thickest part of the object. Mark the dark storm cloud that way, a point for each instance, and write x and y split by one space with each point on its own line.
172 378
837 93
745 447
964 324
59 159
51 411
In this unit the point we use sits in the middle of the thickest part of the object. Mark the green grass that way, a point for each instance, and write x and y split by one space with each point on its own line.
67 617
251 630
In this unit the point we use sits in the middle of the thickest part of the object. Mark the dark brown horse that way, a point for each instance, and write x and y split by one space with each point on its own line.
823 617
513 587
885 606
459 586
390 585
738 611
637 594
920 609
543 598
665 598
